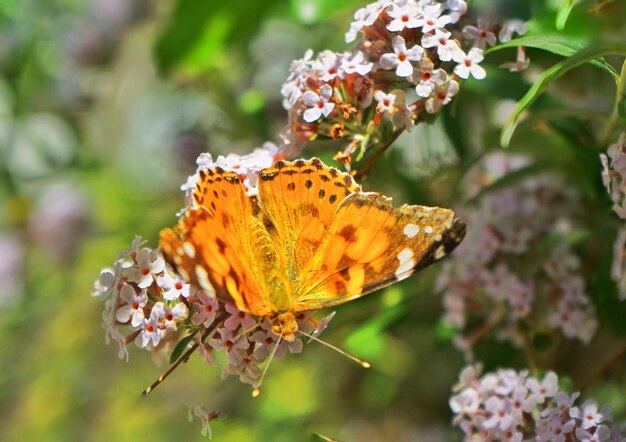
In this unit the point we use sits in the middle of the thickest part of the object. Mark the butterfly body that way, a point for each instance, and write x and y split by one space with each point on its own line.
311 239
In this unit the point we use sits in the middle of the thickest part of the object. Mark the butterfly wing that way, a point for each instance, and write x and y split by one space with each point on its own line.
220 243
369 244
298 201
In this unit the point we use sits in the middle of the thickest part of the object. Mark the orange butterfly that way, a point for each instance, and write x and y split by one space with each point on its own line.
310 240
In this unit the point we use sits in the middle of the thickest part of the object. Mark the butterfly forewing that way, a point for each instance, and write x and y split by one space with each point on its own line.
298 200
370 244
219 239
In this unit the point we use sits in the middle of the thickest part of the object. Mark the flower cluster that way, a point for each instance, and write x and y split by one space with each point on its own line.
147 303
614 178
246 166
409 57
510 405
614 175
492 277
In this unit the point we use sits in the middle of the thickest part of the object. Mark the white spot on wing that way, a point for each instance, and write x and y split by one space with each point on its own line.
406 263
428 230
440 252
189 249
410 230
203 281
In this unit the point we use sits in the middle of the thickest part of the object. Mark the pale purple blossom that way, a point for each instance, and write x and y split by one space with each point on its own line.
511 27
481 34
354 64
147 264
205 310
318 104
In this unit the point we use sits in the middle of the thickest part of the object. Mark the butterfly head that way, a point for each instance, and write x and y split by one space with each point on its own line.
285 325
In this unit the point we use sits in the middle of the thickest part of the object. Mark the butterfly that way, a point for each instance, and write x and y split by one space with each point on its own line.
311 239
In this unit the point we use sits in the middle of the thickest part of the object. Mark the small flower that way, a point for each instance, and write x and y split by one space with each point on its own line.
541 390
105 283
354 63
480 33
173 286
318 104
500 411
327 65
150 333
441 95
385 102
432 19
168 316
468 64
511 27
205 310
428 78
148 263
441 40
234 345
521 62
237 319
601 434
401 58
589 415
133 309
405 16
456 8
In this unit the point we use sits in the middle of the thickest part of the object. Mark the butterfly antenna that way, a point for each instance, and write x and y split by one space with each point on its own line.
256 391
362 363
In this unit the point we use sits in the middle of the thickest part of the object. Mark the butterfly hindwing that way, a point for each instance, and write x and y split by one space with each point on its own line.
219 242
370 244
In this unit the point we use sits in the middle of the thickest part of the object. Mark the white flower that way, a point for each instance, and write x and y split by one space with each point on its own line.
540 391
405 16
354 63
385 102
441 95
480 33
173 286
500 411
318 104
327 65
432 18
589 415
520 63
133 309
401 58
168 316
148 263
509 28
441 40
105 283
468 63
456 8
428 78
150 332
365 17
601 434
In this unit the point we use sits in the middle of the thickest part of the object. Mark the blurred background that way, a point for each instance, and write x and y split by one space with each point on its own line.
104 107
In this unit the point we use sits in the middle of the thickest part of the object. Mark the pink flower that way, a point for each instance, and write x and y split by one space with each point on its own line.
205 310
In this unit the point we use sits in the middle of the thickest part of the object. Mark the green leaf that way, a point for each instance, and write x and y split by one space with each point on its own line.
181 347
563 13
556 44
550 75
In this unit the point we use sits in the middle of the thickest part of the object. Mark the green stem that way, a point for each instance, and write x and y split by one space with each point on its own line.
620 96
